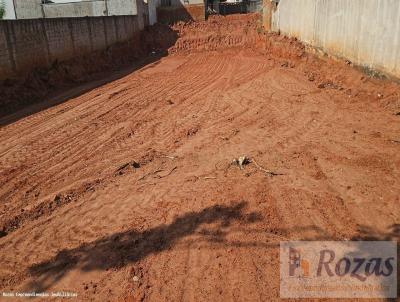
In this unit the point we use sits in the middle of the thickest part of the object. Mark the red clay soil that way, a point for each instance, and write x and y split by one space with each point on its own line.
18 93
128 193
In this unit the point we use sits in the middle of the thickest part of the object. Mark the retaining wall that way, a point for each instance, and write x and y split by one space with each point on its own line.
366 32
26 44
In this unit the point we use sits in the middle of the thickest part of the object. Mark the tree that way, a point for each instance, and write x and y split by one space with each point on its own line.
2 9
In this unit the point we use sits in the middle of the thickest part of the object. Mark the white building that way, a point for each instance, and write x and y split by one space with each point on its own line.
33 9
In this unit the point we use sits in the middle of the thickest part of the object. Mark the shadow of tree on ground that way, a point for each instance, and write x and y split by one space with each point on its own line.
367 233
120 249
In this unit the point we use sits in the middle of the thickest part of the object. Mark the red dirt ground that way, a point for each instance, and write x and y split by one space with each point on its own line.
127 192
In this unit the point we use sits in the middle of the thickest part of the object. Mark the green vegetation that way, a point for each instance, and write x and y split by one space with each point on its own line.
2 9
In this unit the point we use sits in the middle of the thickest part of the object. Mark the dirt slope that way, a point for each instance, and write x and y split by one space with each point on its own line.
127 192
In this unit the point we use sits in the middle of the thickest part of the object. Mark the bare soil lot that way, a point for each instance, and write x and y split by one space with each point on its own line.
127 192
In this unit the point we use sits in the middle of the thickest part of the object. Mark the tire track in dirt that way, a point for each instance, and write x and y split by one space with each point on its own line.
78 149
298 138
300 133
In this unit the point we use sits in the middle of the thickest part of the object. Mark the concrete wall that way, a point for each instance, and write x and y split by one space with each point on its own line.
10 12
186 2
77 9
153 4
91 8
367 32
28 9
121 7
33 9
25 44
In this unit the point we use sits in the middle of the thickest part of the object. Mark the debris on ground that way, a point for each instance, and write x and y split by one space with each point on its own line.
244 160
241 161
135 279
151 173
155 173
169 156
170 171
271 173
192 131
133 164
328 84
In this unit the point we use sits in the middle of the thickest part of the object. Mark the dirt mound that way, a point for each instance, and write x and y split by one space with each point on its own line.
218 32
